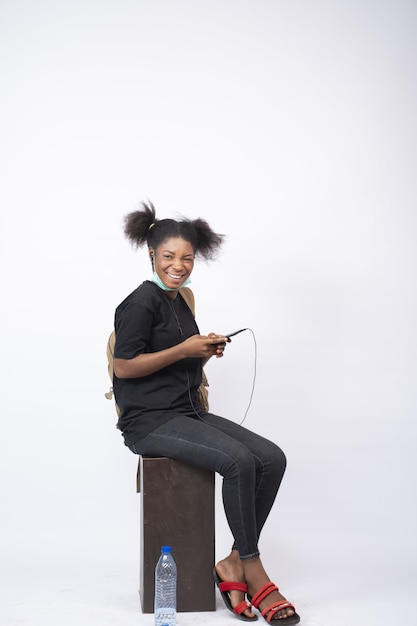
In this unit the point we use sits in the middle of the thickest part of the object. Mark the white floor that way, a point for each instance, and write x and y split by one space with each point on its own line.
100 598
84 574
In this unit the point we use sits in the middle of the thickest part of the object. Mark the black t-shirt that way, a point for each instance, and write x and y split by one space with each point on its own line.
149 320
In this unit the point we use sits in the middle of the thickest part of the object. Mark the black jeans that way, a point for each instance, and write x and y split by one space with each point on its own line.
252 468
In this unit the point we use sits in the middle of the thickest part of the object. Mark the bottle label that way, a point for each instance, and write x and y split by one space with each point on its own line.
165 617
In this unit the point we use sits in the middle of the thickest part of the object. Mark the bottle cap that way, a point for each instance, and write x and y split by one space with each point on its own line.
166 549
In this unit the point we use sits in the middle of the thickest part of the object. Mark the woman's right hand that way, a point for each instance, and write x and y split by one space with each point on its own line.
205 346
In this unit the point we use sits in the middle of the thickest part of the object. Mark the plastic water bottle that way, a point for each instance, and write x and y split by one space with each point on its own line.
166 589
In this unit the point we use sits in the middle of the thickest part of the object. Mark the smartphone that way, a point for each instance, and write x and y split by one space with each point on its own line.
235 333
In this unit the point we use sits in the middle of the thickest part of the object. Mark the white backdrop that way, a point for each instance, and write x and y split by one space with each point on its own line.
291 127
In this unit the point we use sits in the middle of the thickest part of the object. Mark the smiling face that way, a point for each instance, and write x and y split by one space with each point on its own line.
173 261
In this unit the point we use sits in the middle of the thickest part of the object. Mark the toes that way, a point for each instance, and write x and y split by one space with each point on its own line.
283 613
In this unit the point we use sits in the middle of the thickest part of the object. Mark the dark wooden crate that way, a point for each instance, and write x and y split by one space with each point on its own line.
177 509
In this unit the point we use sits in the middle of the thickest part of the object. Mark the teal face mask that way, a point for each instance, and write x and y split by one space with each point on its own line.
158 281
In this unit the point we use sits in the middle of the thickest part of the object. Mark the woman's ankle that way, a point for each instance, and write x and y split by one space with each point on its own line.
231 568
255 574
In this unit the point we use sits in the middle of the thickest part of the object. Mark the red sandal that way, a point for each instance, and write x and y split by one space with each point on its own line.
270 611
225 588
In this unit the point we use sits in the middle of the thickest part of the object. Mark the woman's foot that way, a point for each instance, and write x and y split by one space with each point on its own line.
231 569
256 577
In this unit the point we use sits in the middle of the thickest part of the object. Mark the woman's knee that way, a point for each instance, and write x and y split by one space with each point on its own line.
276 459
281 458
241 463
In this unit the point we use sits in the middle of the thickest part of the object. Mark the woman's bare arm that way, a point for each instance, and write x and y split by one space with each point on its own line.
196 346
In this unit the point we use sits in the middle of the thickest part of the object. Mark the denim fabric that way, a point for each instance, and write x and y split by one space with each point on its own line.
252 467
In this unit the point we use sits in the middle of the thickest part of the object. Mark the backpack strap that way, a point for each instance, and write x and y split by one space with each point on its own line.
188 296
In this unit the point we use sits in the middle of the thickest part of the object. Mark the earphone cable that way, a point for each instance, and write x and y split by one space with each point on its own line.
188 376
254 375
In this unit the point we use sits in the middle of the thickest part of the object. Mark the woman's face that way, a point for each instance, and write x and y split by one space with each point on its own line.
173 261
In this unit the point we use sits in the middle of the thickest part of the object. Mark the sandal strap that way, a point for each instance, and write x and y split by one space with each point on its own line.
263 593
278 606
241 607
233 586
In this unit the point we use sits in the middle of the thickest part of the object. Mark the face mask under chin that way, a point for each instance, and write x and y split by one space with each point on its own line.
158 281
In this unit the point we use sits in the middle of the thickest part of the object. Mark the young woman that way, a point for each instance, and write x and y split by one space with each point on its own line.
158 361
